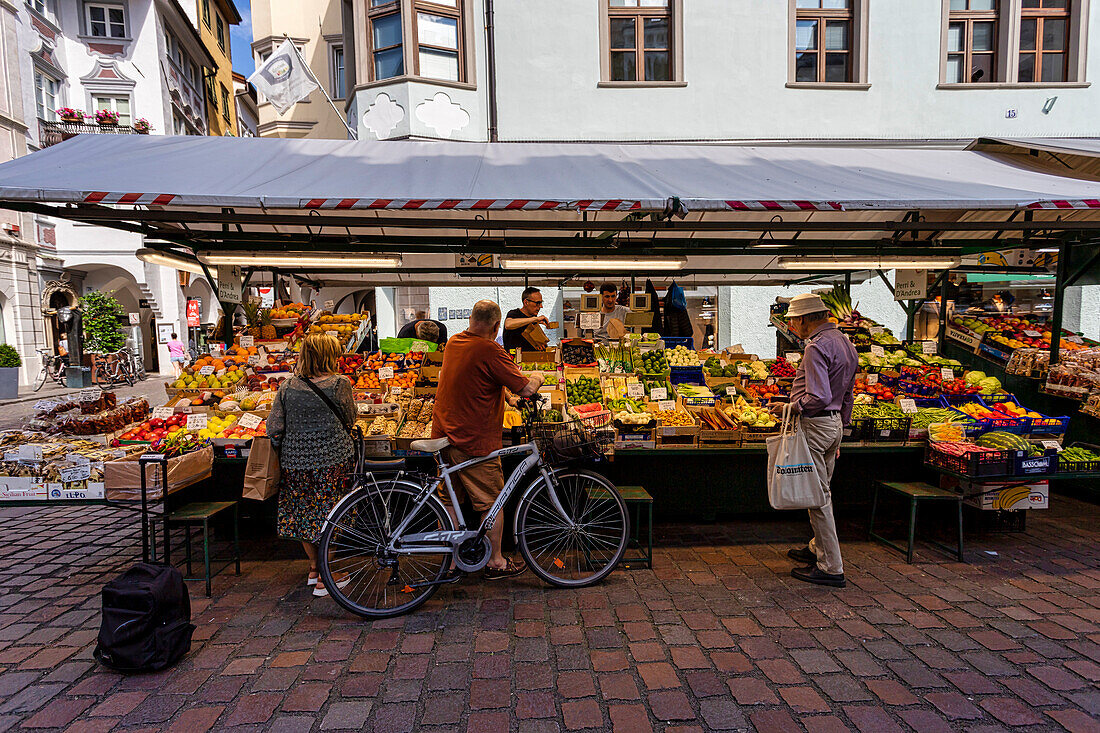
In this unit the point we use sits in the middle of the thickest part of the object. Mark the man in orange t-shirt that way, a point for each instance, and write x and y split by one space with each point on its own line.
469 410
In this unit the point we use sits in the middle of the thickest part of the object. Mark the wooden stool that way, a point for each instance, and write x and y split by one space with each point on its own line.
637 497
917 492
201 513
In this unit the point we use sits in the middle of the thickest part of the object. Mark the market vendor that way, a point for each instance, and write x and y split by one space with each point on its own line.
519 320
612 315
822 397
414 329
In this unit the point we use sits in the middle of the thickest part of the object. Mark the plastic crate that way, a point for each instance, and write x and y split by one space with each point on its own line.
1016 425
889 429
979 464
1028 465
930 402
1043 425
909 387
686 375
671 342
856 429
1080 466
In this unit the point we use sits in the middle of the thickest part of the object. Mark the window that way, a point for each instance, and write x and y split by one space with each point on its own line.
972 42
121 105
1044 40
206 12
438 29
384 33
42 7
338 72
221 31
823 41
640 46
105 21
211 93
45 96
225 102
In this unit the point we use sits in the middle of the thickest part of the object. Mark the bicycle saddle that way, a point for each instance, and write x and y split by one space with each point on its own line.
382 466
430 446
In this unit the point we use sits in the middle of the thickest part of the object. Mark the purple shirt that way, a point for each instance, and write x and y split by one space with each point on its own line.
826 374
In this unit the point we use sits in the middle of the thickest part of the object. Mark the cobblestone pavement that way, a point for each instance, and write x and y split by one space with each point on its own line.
717 637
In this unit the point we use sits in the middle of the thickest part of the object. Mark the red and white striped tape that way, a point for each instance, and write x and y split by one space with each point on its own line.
1066 204
472 204
784 206
104 197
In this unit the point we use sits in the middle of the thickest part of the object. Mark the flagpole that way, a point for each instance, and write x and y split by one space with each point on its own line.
343 119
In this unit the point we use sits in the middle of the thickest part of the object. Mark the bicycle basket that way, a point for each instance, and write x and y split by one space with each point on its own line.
573 440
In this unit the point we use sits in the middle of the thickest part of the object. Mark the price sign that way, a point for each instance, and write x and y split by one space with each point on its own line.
731 391
590 321
91 394
658 393
872 379
1075 339
196 421
947 374
634 390
253 360
151 457
928 347
30 453
794 357
250 421
184 409
37 424
162 413
329 305
907 405
664 405
207 370
877 350
769 380
876 330
334 334
1051 445
396 390
385 372
247 342
79 472
44 405
1033 334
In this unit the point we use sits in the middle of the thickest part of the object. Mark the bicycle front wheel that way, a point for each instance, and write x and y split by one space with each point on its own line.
586 548
41 378
376 583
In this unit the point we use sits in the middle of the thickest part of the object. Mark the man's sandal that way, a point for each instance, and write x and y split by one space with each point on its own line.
511 570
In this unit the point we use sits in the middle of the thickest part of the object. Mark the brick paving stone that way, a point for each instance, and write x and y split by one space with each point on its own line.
803 699
1056 678
824 724
119 704
1011 711
670 705
953 705
488 694
774 721
1075 721
780 671
923 721
658 675
871 720
705 684
347 716
620 686
535 705
576 684
689 657
751 691
578 714
891 692
254 708
307 698
58 714
629 719
196 720
443 709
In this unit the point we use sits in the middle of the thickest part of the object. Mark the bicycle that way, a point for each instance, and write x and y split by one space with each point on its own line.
137 366
111 369
53 367
388 545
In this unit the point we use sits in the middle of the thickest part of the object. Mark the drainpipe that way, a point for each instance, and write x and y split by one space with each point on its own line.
491 70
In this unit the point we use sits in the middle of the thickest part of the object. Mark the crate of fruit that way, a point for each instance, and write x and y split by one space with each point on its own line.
1035 462
673 419
987 419
968 459
1038 424
856 429
1079 458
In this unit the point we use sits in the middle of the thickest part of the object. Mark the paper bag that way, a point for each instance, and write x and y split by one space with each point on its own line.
261 473
793 482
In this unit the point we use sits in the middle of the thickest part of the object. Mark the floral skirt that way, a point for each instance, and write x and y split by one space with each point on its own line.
306 496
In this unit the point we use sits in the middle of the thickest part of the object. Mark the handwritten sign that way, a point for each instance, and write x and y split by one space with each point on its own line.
254 359
395 390
1051 445
731 391
872 379
334 334
963 338
590 321
876 330
385 372
877 350
206 370
79 472
162 413
250 421
658 393
329 305
634 390
1033 334
1075 339
44 405
928 347
794 357
907 405
30 453
247 342
91 394
665 405
151 457
196 421
947 374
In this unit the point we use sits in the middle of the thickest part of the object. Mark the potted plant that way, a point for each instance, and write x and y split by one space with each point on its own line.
102 314
10 362
68 114
142 126
106 117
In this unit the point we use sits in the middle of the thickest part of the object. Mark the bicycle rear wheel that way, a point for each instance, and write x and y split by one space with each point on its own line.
584 550
381 584
41 378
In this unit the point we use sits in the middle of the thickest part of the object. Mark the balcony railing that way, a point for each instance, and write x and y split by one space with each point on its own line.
51 133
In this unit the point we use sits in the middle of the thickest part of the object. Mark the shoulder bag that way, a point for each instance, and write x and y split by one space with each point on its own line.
355 433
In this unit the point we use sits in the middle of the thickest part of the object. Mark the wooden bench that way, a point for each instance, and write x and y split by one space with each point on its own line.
917 492
200 513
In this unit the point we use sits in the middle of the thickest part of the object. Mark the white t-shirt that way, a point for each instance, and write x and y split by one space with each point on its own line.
618 313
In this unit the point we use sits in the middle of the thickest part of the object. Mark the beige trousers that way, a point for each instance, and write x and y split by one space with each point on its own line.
823 434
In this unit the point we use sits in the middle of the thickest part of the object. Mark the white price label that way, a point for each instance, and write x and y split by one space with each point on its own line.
947 374
385 372
664 405
247 342
794 357
250 421
877 350
162 413
151 457
396 390
928 347
184 409
658 393
872 378
907 405
634 390
876 330
329 305
1051 444
206 370
1033 334
769 381
30 453
731 391
196 421
44 405
79 472
1075 339
590 322
91 394
254 359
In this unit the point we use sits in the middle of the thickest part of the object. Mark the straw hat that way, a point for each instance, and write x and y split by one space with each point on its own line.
805 304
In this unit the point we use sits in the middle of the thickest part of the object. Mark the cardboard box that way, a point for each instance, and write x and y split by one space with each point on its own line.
21 488
674 430
122 478
1004 494
78 490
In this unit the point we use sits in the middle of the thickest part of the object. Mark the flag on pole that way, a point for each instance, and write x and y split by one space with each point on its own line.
284 78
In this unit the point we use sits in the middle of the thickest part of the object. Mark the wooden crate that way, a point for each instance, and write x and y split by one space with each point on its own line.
678 441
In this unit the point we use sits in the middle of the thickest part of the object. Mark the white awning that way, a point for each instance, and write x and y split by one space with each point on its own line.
1087 146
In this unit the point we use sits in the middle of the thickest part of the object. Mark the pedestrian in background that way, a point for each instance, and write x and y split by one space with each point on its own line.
176 355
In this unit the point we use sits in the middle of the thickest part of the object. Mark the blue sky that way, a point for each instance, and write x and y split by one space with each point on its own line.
240 37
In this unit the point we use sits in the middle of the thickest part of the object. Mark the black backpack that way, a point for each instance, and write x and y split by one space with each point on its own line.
146 619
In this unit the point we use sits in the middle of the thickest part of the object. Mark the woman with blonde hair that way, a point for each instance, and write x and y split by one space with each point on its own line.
310 426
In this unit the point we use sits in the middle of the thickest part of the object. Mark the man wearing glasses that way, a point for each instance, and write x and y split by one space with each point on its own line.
519 319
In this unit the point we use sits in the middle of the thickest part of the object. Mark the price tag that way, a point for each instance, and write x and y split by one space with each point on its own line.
207 370
247 342
1051 444
151 457
184 409
395 390
162 413
658 393
262 352
664 405
634 390
947 374
876 330
79 472
385 372
928 347
794 357
329 305
877 350
907 405
44 405
872 378
1033 334
91 394
30 453
250 421
334 334
253 360
196 421
731 391
769 381
37 424
590 322
1075 339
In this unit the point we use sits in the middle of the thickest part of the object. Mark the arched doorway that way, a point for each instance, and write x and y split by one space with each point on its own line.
56 294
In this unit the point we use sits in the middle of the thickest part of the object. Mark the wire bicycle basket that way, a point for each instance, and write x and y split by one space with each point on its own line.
573 439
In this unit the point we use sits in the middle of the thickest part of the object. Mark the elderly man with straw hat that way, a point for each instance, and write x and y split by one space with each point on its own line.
822 397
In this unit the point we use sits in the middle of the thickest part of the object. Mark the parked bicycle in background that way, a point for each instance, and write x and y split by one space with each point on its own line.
53 367
112 369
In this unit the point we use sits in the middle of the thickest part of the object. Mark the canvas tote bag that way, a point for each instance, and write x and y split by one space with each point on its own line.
793 482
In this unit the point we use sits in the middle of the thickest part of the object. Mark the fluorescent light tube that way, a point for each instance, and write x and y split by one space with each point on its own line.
159 258
300 260
814 264
586 263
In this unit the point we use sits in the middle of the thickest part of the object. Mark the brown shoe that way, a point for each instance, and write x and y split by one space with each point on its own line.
511 570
